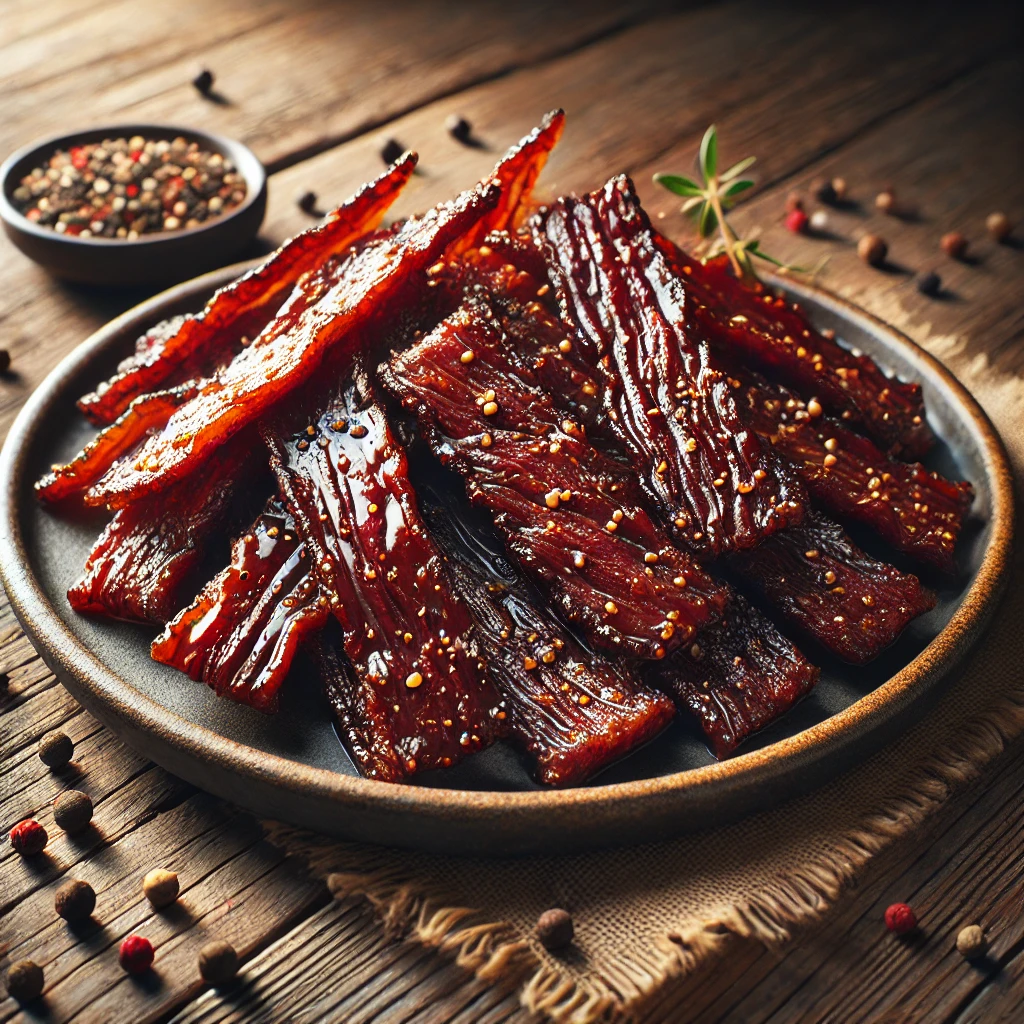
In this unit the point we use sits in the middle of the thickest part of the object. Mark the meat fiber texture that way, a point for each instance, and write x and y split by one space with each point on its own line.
773 334
669 403
422 697
916 511
819 580
571 711
146 560
185 347
737 677
570 515
242 631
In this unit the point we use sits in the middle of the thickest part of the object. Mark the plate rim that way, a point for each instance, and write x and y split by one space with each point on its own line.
113 698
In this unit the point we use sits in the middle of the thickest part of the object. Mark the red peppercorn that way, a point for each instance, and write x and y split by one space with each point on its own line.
900 918
796 221
136 954
28 837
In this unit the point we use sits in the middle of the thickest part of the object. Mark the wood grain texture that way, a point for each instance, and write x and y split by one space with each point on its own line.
882 96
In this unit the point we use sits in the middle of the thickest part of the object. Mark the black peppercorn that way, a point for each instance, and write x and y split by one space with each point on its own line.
391 151
459 128
826 193
307 202
25 981
75 900
56 749
555 929
5 365
929 284
204 81
72 810
218 962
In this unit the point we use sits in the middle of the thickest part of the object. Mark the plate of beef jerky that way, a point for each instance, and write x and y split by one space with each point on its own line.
502 528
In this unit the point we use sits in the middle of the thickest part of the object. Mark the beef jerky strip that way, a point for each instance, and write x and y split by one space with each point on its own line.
145 561
517 173
737 677
243 308
849 602
571 711
774 334
504 273
240 634
148 413
916 511
570 515
672 406
423 698
379 280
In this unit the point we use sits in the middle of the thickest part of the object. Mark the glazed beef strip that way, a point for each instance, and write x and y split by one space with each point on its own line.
774 335
819 580
240 634
422 697
571 711
532 343
669 403
570 515
146 560
737 677
378 281
916 511
185 347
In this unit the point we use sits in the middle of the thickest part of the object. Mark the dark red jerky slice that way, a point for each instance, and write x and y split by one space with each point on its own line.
377 284
119 440
536 340
669 402
917 511
571 711
424 699
344 692
570 515
243 308
144 563
775 335
818 579
737 677
517 173
240 634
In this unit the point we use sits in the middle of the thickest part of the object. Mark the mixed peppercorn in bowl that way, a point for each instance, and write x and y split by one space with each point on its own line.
132 204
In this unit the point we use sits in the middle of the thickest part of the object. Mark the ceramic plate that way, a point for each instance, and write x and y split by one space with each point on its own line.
292 766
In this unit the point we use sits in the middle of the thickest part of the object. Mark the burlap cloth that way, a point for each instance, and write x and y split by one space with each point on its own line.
649 916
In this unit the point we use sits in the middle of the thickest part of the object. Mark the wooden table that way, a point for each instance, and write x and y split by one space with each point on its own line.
926 102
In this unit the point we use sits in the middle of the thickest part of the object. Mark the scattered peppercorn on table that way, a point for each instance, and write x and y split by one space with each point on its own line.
888 146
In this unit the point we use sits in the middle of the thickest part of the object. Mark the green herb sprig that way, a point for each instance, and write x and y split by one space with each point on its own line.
707 203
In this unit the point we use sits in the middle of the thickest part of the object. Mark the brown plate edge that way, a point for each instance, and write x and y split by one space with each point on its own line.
475 822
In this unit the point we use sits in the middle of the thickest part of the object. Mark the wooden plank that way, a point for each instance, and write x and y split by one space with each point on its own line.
361 977
358 68
234 883
650 92
295 76
630 97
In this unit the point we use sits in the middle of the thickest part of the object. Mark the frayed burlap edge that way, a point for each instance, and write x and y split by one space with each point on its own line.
495 953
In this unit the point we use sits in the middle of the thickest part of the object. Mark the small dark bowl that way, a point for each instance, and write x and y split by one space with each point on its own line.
163 257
